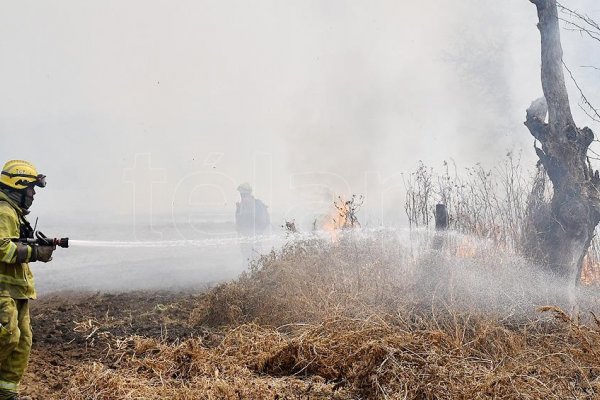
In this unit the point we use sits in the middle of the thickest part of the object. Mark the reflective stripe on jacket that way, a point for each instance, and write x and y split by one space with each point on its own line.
16 280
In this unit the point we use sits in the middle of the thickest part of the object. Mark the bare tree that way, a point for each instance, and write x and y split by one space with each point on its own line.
560 232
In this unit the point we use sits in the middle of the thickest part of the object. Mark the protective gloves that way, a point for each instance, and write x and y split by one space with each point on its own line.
42 253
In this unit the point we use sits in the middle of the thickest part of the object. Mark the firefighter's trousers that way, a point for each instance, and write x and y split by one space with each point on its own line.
15 342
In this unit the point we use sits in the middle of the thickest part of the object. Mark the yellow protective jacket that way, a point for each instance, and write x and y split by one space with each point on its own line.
16 279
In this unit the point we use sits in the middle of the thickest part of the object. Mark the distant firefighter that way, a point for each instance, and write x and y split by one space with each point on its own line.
251 214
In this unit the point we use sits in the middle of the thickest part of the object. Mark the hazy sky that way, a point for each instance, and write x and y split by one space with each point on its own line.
300 98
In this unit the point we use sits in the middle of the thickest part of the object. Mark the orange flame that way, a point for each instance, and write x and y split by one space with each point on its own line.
466 249
333 223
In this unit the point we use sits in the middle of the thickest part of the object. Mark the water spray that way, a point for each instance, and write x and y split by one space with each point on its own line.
206 242
174 243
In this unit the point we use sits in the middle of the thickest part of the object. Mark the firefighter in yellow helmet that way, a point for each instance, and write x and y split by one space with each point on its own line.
17 191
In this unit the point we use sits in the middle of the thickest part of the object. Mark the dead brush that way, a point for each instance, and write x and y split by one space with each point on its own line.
381 357
487 203
151 369
346 321
455 356
480 202
306 281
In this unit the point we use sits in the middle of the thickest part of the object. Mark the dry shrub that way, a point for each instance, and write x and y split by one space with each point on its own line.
482 202
380 272
307 281
350 320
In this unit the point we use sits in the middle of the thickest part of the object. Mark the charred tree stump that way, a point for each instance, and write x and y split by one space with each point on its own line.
434 279
441 225
441 217
560 234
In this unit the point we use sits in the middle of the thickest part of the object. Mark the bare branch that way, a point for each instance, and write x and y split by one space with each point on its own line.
585 25
592 112
582 30
582 17
590 66
594 152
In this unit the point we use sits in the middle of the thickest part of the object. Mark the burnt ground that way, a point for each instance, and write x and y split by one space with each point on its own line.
73 328
336 359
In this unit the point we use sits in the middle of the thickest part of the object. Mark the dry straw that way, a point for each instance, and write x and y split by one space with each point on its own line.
359 319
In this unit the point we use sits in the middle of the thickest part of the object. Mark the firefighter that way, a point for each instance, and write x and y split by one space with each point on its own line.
17 191
251 214
251 219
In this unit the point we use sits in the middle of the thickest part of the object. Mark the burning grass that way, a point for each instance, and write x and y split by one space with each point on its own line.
371 316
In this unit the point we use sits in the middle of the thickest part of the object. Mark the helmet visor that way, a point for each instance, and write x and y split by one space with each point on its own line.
40 181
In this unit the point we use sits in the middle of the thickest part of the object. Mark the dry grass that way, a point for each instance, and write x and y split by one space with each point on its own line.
353 320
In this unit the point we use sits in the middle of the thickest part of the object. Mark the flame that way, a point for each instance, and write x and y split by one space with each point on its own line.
334 222
465 249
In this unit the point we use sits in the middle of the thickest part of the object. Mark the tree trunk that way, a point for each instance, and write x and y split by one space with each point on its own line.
561 231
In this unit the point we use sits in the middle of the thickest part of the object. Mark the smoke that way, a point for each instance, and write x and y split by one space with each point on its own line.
451 270
342 88
145 112
477 274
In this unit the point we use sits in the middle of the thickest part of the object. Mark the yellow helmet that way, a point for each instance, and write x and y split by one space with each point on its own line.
19 174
